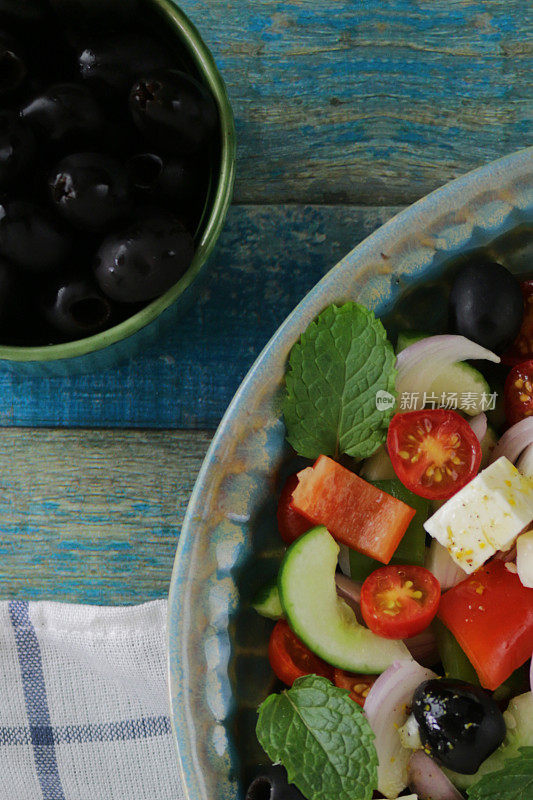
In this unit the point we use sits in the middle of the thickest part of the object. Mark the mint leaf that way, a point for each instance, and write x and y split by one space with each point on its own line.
335 371
322 738
513 782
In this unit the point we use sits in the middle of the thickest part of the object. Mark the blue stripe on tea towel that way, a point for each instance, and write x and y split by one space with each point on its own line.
126 730
40 729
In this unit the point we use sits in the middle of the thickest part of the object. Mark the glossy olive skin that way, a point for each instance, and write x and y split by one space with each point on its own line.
65 113
76 307
460 724
13 69
173 110
30 238
179 179
271 783
114 61
486 305
90 190
17 147
144 260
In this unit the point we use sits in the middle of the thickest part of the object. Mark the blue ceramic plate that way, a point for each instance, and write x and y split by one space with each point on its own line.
218 670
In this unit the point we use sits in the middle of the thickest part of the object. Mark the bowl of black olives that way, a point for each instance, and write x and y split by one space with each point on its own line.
117 153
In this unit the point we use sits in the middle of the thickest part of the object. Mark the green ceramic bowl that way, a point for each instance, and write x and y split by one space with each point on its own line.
108 348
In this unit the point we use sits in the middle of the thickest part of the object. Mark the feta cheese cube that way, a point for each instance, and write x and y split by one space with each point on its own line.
485 516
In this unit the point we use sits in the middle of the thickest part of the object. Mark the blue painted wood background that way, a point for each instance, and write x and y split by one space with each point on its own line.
364 104
346 111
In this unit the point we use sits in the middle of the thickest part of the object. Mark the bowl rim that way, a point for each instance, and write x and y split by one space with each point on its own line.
205 63
477 188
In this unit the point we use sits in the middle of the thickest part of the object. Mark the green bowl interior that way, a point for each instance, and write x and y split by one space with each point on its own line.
195 57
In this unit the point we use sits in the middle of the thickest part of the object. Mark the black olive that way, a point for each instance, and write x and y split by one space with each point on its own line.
180 179
90 190
271 784
17 147
93 15
65 112
114 61
144 260
13 69
76 307
173 110
460 724
486 305
29 238
23 11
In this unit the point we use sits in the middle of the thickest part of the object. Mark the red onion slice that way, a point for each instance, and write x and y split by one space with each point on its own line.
423 648
514 441
479 425
350 592
387 708
344 560
440 563
525 462
506 556
428 780
422 362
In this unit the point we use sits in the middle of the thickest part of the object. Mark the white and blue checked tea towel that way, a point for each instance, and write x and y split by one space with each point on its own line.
83 703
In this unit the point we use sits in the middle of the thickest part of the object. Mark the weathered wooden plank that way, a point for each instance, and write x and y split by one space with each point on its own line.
268 258
374 102
93 516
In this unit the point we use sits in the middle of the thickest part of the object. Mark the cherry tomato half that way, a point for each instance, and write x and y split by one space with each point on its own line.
291 524
519 392
434 452
399 601
291 659
522 347
358 685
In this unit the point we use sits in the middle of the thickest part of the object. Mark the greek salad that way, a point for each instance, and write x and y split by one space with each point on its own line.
403 609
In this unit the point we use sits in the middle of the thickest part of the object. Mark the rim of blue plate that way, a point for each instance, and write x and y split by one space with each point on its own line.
487 204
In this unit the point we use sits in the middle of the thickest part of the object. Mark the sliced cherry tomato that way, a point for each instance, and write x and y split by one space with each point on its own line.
291 659
519 392
434 452
291 524
399 601
522 347
358 685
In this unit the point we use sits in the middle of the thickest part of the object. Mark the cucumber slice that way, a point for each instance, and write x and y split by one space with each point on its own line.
463 378
412 548
460 378
406 338
326 625
267 602
488 444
